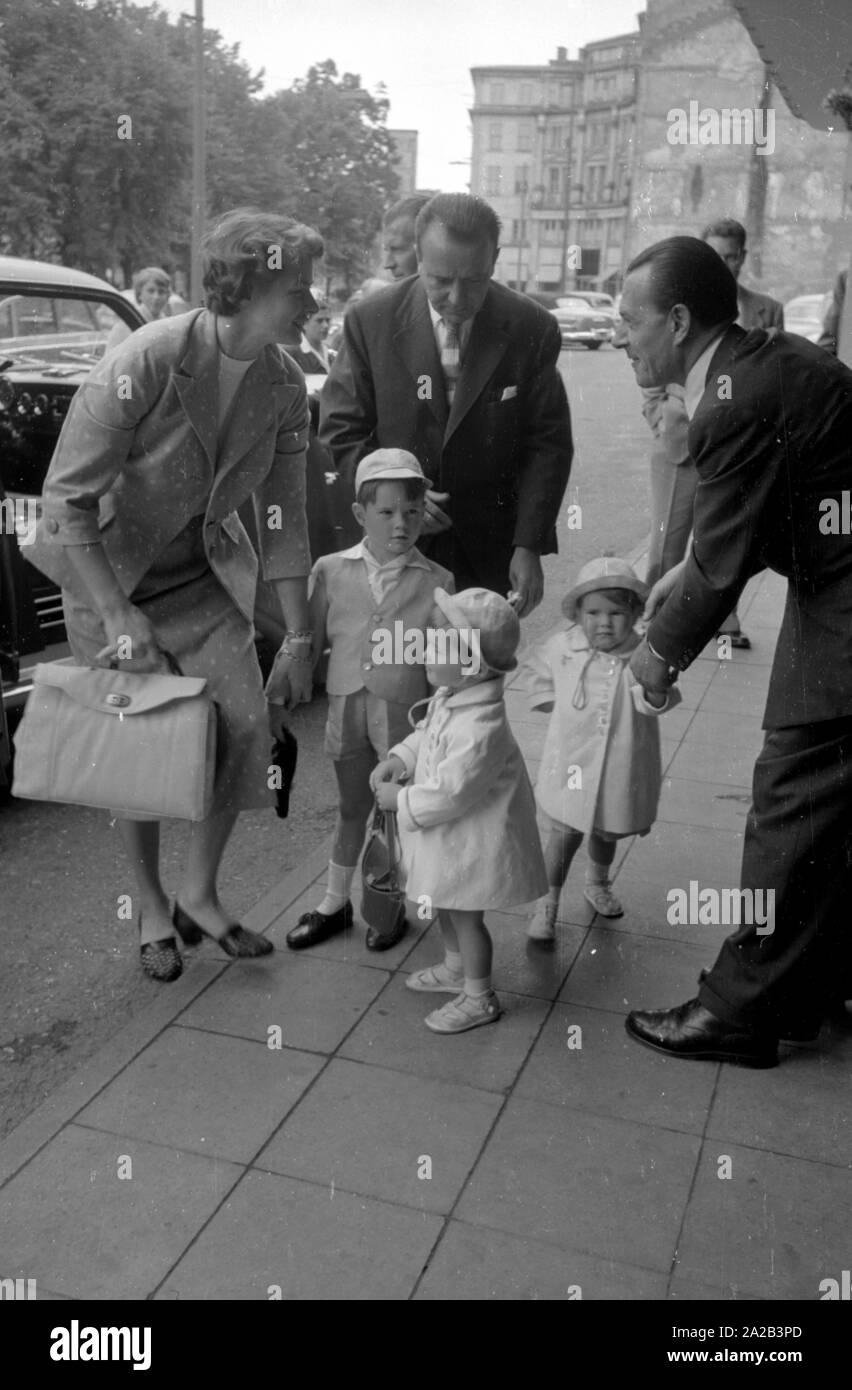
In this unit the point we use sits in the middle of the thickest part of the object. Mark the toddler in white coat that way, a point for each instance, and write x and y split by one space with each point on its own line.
467 820
600 770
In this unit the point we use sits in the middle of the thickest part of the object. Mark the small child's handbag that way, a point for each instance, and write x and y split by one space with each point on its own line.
382 891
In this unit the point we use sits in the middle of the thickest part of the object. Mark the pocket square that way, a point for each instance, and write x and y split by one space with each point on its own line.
509 393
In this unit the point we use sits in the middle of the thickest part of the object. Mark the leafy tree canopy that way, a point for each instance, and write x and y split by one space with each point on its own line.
96 140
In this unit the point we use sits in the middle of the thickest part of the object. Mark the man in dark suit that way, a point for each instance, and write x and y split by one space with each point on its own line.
771 436
754 310
399 247
462 372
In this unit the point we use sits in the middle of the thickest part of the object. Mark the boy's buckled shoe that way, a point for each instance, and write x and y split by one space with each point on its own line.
314 927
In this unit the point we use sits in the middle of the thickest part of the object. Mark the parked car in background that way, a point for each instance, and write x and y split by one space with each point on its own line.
54 324
804 315
581 322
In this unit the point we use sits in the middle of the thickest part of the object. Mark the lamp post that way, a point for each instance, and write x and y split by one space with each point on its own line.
566 214
199 196
521 238
536 201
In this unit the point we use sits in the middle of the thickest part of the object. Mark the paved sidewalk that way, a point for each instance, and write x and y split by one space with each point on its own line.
367 1158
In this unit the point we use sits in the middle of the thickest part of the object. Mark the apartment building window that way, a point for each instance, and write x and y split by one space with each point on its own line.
526 97
554 180
594 183
524 141
493 179
496 94
519 231
522 178
495 135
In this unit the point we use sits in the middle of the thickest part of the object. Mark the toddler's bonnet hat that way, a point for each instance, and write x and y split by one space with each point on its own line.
606 572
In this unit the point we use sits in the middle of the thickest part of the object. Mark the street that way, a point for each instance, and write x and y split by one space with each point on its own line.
72 978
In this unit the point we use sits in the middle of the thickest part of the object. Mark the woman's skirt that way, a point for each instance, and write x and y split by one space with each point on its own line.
196 620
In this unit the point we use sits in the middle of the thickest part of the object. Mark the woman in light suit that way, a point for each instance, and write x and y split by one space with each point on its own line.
169 435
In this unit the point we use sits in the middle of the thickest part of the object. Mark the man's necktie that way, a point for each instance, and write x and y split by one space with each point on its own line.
450 360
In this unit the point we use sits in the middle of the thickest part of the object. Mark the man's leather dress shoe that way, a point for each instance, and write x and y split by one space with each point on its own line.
691 1031
314 927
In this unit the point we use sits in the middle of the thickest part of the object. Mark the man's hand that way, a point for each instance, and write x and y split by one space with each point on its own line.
435 519
526 579
651 671
661 591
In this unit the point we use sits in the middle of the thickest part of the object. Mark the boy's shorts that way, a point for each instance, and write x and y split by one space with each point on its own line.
364 723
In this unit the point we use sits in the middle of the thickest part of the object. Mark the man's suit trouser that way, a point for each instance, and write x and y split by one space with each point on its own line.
798 842
673 488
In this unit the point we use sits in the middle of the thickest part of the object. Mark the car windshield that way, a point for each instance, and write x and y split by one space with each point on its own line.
581 305
46 330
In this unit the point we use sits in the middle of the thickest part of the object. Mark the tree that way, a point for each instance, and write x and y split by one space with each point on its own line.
96 140
335 163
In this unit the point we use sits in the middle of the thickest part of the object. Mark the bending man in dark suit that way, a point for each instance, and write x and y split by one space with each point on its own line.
771 436
490 426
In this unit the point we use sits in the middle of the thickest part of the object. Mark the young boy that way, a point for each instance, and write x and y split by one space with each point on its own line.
365 604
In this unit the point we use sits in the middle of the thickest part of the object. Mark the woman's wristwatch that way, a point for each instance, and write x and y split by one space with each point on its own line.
302 641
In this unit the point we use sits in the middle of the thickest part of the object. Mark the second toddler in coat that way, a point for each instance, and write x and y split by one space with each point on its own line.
601 769
467 821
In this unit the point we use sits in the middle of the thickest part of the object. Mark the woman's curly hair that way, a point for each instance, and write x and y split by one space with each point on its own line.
247 246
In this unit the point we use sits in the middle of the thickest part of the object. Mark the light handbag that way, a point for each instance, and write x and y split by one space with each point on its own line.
382 891
141 744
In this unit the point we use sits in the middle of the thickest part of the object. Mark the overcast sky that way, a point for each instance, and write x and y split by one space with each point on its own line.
422 53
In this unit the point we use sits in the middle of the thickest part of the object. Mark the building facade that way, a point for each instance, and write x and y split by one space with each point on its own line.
698 59
406 161
553 150
586 160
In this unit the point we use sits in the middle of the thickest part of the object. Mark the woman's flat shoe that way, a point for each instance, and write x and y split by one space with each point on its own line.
238 942
161 959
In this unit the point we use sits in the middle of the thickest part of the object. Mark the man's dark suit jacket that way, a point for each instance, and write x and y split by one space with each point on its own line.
309 361
766 459
504 451
758 310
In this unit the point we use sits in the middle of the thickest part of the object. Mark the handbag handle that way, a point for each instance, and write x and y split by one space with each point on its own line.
386 821
172 663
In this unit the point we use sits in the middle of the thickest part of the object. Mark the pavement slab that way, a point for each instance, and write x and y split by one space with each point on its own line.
278 1238
393 1034
203 1092
72 1223
585 1181
620 972
472 1262
773 1229
585 1061
368 1129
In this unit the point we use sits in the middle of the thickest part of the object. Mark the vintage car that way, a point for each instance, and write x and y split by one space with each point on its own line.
804 315
580 322
54 324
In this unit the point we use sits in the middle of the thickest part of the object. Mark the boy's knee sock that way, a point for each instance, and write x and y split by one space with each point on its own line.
339 883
